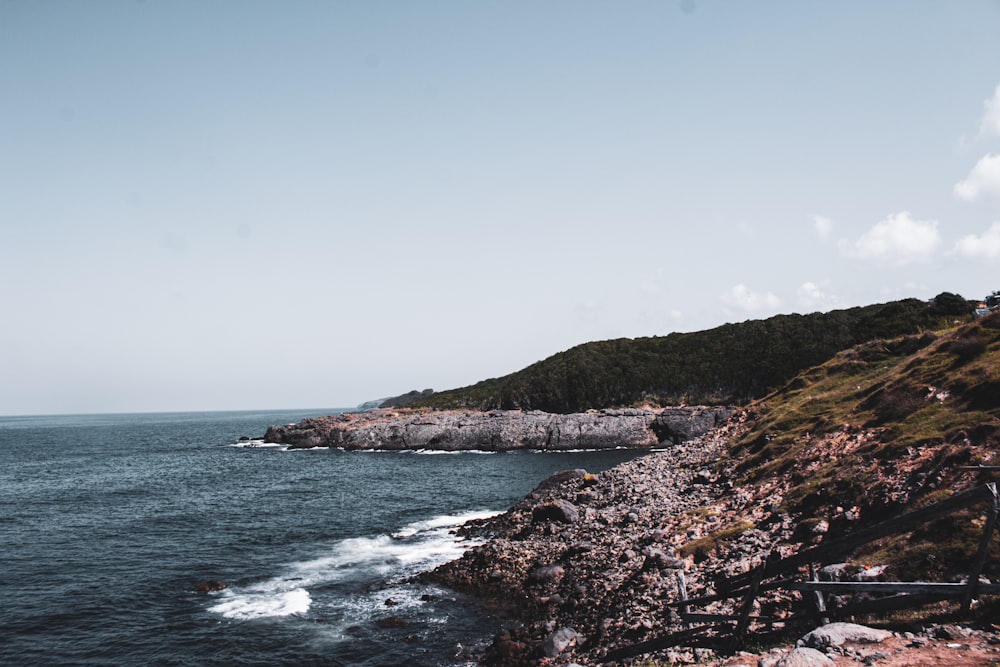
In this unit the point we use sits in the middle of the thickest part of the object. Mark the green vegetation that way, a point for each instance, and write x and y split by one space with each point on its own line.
731 364
701 547
884 425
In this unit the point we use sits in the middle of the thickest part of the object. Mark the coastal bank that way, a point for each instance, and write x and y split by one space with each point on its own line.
500 430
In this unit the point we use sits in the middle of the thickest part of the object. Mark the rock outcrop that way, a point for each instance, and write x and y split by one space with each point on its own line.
500 430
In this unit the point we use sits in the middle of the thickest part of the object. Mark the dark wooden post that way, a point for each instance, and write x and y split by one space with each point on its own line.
992 512
743 621
682 594
824 618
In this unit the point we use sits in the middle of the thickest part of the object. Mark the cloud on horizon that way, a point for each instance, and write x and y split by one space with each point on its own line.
982 247
742 297
989 125
811 296
982 181
823 226
896 241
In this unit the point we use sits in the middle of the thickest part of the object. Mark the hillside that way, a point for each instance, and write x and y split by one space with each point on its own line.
730 364
883 427
879 429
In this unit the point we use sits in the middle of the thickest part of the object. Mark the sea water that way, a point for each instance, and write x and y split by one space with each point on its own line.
109 524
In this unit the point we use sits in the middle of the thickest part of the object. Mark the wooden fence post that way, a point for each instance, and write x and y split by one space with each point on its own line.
824 618
682 594
743 621
992 513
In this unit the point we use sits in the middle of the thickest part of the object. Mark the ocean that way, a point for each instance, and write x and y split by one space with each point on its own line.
110 523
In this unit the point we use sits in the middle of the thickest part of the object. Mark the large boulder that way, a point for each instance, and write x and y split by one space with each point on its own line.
838 634
559 510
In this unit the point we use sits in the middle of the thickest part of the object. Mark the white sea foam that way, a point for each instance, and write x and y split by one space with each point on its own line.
428 452
418 546
261 601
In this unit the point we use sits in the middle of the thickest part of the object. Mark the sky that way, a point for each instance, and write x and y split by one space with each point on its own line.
247 204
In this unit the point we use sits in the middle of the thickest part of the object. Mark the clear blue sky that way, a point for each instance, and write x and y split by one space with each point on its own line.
238 204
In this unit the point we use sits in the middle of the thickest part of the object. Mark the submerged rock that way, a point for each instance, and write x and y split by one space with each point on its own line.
212 586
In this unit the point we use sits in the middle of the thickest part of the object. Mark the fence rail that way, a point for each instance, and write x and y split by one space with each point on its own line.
727 631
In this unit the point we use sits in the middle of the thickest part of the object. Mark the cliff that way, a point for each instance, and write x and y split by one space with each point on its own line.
500 430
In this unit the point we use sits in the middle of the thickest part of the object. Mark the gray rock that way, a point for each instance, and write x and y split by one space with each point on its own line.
559 510
657 559
547 574
838 634
805 657
558 642
835 572
498 430
557 478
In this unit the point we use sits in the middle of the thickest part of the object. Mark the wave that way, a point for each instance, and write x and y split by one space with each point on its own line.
384 559
428 452
255 444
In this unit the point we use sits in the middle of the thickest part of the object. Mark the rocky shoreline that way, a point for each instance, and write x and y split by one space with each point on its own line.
499 430
589 563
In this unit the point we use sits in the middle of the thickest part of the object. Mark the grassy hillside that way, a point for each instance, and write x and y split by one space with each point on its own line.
883 427
731 364
931 398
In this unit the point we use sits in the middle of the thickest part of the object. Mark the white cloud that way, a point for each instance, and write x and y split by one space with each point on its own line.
823 226
896 241
990 122
744 298
982 181
985 246
813 297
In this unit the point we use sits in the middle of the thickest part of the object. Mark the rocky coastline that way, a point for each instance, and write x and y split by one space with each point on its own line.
500 430
589 563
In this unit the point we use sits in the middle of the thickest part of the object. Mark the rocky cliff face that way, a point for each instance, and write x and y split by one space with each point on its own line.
499 430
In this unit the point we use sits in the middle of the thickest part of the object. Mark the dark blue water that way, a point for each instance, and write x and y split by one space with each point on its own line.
108 523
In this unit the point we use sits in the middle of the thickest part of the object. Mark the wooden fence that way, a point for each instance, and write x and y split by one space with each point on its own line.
727 632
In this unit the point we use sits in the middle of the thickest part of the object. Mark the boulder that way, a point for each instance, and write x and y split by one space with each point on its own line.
804 657
657 559
557 478
838 634
559 510
558 642
547 574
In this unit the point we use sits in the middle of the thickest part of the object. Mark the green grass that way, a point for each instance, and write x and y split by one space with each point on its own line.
881 392
702 547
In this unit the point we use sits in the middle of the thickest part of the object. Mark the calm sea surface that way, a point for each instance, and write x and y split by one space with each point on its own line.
108 523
